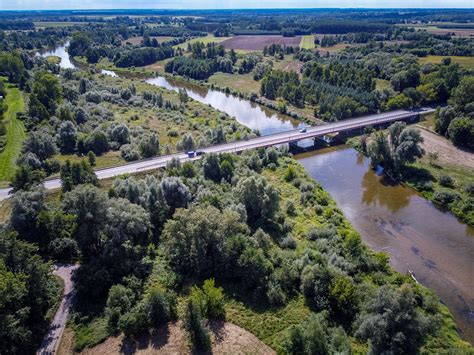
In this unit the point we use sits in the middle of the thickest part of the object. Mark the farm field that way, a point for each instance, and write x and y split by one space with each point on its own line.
257 43
459 32
46 24
210 38
15 133
465 62
307 42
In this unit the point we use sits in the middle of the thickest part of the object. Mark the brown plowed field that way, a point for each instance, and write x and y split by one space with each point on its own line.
257 43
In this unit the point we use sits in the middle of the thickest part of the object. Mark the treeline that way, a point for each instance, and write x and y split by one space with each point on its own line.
220 218
142 56
205 60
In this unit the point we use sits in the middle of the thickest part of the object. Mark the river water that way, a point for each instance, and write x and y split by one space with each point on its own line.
437 247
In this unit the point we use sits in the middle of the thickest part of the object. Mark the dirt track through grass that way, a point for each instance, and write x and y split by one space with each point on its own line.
15 133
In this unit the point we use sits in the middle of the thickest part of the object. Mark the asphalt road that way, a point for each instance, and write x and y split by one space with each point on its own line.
234 147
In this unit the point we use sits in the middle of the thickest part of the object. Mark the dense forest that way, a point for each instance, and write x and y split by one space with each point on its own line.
249 239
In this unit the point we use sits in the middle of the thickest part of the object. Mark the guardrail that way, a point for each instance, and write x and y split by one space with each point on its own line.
280 138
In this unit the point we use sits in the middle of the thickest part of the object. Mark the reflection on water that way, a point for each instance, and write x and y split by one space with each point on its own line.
393 218
247 113
60 52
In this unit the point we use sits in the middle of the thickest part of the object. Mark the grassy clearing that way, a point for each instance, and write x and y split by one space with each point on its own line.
465 62
90 334
269 325
288 63
241 82
381 84
307 42
210 38
15 133
53 59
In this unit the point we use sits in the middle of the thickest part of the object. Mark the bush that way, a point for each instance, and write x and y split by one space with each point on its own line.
128 153
325 232
446 181
209 299
469 188
193 324
445 197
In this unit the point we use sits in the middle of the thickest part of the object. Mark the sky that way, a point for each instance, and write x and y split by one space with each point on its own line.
226 4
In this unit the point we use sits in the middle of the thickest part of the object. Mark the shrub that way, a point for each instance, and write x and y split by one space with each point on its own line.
193 324
209 299
445 197
469 188
446 181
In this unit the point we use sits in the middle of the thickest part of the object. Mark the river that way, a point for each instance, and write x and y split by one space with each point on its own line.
436 246
247 113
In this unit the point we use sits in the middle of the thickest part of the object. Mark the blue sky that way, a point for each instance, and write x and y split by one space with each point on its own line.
226 4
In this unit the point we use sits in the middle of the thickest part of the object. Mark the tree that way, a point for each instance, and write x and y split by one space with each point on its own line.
259 198
79 44
463 95
97 142
187 143
119 302
67 137
89 205
193 240
27 291
461 132
444 116
40 143
211 167
198 333
209 299
47 90
26 177
26 207
392 322
119 133
77 174
176 193
150 145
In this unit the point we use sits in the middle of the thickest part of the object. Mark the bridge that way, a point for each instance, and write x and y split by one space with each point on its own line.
239 146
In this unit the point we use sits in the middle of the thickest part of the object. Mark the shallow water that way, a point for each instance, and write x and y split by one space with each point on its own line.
60 52
435 245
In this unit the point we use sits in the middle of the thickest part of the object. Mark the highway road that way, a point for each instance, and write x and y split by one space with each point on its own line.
239 146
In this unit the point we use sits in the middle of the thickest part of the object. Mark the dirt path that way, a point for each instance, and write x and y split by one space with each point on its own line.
447 152
51 340
227 338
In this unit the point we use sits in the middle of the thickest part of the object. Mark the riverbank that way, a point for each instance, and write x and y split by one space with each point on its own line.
397 220
444 175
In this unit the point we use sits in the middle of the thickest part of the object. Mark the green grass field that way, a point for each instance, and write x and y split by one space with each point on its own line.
240 82
465 62
15 133
307 42
210 38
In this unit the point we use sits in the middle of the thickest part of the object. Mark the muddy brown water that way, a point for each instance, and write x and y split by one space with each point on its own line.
434 244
